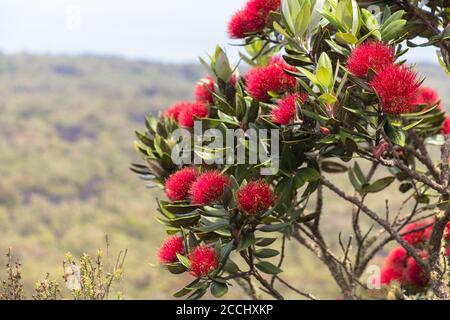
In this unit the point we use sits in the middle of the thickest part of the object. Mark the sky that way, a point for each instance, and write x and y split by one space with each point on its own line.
168 31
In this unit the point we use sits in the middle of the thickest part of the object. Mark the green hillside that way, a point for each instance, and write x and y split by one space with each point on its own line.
66 141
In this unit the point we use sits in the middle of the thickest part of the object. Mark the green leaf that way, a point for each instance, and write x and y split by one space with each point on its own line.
393 31
176 268
327 98
308 174
267 267
355 183
359 174
264 242
309 75
182 292
223 69
377 34
219 289
287 7
302 20
185 261
344 13
266 253
413 125
314 116
225 252
370 20
355 17
337 48
247 240
395 134
280 29
177 208
274 227
325 70
346 38
333 167
230 267
378 185
396 16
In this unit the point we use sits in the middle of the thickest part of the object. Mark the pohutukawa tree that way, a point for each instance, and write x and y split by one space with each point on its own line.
330 78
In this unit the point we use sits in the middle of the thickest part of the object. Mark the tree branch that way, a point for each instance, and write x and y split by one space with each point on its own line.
410 249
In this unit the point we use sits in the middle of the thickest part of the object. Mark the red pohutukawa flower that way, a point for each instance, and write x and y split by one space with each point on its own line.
404 269
174 111
446 126
428 97
209 187
370 55
271 78
179 183
394 265
167 253
203 92
203 260
399 266
284 112
397 88
414 237
414 275
255 197
254 17
190 112
238 25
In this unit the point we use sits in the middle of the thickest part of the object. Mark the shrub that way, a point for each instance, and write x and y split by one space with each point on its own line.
327 80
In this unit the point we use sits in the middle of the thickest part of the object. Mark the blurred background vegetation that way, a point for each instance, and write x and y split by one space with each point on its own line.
66 142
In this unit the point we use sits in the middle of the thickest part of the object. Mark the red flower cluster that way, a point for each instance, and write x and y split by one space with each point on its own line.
252 18
428 97
185 112
203 260
255 197
271 78
284 112
188 115
404 269
204 90
174 110
209 187
394 266
370 55
416 237
179 183
167 253
414 275
400 267
397 86
202 190
446 126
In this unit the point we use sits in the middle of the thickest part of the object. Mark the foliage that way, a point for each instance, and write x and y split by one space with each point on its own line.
12 288
89 279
